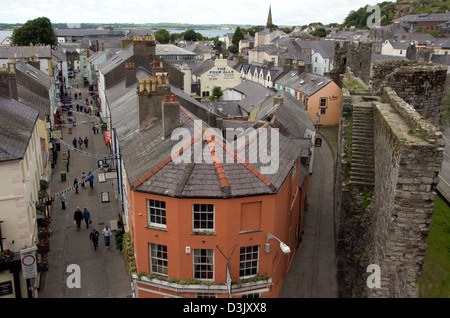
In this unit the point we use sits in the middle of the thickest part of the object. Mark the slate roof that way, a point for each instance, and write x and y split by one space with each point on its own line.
123 105
254 93
116 60
323 47
424 18
84 32
17 122
170 49
291 117
399 45
275 71
205 66
441 59
24 51
39 103
150 168
307 83
34 73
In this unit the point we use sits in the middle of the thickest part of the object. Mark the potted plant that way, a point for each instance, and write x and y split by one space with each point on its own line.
45 233
42 265
43 246
6 255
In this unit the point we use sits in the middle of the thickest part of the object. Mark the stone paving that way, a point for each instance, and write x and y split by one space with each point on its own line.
103 273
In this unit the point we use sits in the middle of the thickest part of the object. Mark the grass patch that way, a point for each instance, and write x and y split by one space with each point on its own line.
435 280
353 85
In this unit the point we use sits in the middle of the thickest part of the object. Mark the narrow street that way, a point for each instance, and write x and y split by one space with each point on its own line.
313 273
103 273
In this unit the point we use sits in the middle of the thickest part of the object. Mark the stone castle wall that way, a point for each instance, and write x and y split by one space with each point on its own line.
420 84
407 166
392 231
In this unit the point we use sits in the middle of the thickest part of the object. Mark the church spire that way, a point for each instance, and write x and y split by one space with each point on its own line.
269 18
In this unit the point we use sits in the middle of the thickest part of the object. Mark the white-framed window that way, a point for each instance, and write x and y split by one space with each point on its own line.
156 212
249 261
203 264
203 217
158 259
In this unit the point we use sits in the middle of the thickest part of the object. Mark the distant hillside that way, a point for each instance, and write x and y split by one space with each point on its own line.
391 10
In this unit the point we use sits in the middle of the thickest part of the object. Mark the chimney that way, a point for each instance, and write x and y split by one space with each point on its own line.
130 73
277 99
31 49
157 67
8 78
187 84
170 115
151 92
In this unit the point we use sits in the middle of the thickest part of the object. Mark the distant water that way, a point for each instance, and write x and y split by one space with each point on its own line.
206 33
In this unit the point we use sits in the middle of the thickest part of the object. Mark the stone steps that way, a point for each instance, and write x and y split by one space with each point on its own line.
362 172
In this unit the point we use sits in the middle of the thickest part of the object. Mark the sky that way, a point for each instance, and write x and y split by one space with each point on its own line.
240 12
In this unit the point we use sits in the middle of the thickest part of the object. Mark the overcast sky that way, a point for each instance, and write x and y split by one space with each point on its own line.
254 12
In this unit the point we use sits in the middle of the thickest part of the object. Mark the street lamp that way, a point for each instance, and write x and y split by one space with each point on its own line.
284 248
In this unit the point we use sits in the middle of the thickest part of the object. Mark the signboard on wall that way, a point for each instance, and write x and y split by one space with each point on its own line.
6 288
29 262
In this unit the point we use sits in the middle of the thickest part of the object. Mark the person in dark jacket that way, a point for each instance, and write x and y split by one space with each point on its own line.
78 217
75 185
94 238
87 217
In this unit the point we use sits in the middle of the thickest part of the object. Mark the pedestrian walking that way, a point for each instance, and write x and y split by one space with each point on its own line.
94 238
77 217
74 142
80 141
96 128
83 180
93 129
78 108
87 217
90 178
86 140
81 108
76 95
107 235
75 185
63 201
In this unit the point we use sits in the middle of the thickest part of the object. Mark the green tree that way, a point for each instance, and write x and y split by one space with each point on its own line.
37 31
320 32
190 35
237 36
162 36
233 49
216 92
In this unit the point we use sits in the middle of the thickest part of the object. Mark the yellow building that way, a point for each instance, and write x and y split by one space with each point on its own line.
215 73
21 168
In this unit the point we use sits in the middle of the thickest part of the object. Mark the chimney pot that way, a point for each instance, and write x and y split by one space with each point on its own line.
174 99
166 99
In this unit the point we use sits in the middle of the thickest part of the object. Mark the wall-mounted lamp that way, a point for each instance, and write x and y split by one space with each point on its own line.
284 248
